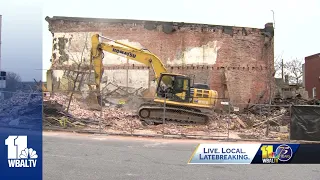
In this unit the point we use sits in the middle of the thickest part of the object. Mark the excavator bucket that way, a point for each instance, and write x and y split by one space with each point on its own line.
94 101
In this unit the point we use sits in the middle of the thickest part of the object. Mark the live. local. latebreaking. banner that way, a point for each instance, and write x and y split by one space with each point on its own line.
256 154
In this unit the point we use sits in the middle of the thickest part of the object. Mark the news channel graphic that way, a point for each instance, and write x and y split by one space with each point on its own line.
20 155
256 154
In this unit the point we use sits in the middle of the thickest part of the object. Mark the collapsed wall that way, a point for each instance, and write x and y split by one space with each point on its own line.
235 61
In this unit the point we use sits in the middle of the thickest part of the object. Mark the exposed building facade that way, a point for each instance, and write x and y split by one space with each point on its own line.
235 61
312 75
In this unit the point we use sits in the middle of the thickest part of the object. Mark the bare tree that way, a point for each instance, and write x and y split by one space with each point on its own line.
75 71
12 81
294 69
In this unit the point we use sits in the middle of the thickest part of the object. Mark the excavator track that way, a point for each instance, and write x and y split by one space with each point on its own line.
153 113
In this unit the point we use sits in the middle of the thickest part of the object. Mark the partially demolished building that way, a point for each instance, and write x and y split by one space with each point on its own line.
235 61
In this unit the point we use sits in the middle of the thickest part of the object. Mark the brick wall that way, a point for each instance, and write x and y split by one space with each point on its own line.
235 61
312 74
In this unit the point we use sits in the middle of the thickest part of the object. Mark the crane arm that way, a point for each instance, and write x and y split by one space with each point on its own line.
133 53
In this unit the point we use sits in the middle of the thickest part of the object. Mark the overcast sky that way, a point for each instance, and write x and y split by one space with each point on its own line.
22 38
296 23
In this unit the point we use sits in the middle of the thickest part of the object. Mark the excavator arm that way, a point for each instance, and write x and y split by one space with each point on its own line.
140 55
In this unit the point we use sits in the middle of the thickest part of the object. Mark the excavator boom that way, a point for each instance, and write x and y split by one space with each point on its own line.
139 55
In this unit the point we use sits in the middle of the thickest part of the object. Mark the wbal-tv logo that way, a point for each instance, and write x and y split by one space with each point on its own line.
282 153
19 155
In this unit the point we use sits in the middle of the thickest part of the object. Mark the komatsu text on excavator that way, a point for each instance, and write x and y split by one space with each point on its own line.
182 102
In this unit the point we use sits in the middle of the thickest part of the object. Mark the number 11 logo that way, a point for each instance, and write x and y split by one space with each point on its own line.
19 155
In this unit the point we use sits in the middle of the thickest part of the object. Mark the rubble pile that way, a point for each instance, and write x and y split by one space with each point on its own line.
297 100
260 114
76 108
22 109
257 120
252 123
118 119
111 117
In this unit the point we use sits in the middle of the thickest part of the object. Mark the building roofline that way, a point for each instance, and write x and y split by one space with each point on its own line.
137 21
311 56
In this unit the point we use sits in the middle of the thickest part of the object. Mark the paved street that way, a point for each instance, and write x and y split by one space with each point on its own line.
94 157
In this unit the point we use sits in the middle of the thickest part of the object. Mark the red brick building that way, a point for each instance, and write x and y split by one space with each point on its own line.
312 75
235 61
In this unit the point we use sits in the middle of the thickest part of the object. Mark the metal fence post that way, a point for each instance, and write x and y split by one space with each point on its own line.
164 113
290 114
101 112
229 120
131 128
268 122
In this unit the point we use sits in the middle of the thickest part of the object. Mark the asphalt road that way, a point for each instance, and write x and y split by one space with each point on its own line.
94 157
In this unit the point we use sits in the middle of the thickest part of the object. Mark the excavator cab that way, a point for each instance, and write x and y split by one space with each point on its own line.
174 87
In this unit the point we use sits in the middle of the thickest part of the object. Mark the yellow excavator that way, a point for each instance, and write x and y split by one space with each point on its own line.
174 92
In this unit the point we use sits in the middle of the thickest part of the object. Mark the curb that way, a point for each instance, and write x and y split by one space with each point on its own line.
177 136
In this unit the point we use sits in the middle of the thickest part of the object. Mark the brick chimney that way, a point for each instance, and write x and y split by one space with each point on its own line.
269 28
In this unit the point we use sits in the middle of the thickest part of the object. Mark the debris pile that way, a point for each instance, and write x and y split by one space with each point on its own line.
23 109
76 109
118 119
111 117
251 123
296 100
259 121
